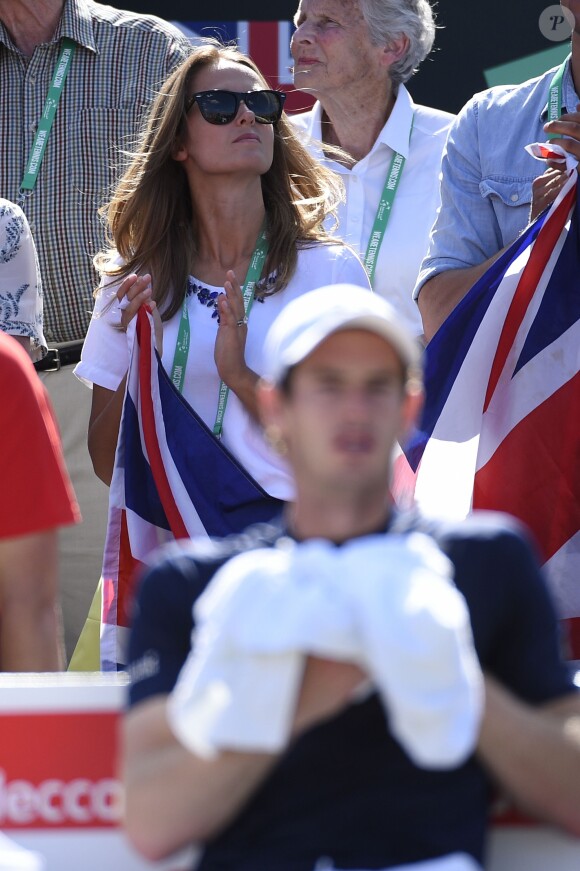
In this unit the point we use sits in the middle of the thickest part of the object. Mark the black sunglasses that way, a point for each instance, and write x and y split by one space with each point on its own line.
221 107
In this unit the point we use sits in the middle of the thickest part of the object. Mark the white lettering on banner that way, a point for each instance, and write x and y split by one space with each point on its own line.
78 791
18 802
107 798
48 792
56 802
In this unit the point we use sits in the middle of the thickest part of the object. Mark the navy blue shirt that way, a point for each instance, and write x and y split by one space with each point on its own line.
346 790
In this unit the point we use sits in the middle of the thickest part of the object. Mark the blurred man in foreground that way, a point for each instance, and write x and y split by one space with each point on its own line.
343 792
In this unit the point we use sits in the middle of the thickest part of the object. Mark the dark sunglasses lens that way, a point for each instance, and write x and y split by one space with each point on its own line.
221 107
266 106
217 107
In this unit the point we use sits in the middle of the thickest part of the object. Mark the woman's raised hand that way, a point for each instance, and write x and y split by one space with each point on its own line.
230 343
135 291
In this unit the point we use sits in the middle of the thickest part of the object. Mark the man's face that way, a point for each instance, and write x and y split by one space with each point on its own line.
344 411
331 47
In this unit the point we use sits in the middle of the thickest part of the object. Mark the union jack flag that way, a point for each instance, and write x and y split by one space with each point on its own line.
501 424
172 479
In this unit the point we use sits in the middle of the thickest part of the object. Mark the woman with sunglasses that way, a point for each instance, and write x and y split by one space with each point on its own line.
220 198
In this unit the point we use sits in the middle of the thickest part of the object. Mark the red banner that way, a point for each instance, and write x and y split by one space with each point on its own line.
57 771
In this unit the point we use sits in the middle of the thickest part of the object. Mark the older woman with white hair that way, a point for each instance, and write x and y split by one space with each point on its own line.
355 58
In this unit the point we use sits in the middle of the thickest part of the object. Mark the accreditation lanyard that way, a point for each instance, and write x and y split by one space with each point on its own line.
555 96
182 347
45 124
383 214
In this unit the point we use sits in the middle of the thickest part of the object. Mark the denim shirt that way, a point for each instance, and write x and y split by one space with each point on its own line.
486 187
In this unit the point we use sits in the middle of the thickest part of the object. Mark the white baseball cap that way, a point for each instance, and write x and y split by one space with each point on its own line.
311 318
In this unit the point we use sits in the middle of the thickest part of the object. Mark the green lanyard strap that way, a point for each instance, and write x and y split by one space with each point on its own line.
183 338
555 96
46 121
384 210
181 348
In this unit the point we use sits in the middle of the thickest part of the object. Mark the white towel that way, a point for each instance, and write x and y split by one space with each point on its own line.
384 602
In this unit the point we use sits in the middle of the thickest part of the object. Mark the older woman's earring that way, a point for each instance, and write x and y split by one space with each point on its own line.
276 440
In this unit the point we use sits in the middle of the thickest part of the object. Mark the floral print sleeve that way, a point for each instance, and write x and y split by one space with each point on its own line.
20 283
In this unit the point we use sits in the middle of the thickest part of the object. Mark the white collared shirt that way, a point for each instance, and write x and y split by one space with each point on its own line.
416 202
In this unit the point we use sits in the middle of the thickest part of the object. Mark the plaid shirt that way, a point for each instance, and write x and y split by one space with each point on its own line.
120 59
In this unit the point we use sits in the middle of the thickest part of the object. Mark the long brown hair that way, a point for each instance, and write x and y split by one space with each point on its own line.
150 217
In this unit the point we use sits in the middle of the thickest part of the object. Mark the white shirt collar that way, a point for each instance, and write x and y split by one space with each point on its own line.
396 132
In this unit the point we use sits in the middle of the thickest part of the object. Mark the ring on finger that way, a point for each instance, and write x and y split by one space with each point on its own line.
242 321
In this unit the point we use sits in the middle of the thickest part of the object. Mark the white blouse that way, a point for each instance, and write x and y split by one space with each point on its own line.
105 356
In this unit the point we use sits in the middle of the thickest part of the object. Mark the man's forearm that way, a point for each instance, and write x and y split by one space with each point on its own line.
534 754
174 798
31 634
103 432
440 294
